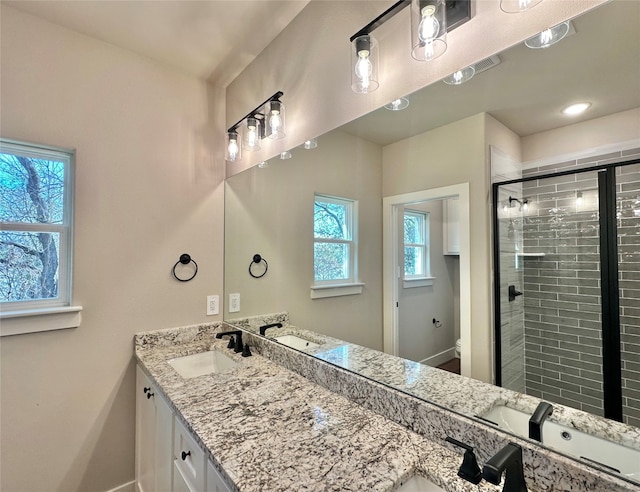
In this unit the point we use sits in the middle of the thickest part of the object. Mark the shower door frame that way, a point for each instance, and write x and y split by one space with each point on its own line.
609 289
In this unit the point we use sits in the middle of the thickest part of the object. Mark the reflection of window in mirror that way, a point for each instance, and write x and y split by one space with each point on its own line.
416 245
334 245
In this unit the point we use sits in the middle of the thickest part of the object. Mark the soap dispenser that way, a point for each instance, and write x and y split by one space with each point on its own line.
469 470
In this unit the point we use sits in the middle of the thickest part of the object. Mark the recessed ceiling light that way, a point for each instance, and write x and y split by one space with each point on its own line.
263 164
549 37
397 104
576 109
461 76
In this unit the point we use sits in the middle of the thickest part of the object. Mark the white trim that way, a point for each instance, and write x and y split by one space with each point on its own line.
440 357
322 291
390 279
33 321
125 487
410 283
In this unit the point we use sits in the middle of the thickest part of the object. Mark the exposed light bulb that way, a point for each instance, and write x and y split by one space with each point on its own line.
251 140
579 199
252 136
364 69
429 26
233 149
275 122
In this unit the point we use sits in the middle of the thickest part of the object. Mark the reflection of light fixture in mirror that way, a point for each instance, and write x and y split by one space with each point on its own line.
548 37
516 6
461 76
428 29
579 199
233 151
364 62
576 109
285 155
397 104
251 134
310 144
274 119
524 203
263 164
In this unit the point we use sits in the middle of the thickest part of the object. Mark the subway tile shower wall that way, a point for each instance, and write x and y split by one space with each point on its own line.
562 321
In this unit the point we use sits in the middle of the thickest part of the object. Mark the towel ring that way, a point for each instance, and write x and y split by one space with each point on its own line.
185 259
257 259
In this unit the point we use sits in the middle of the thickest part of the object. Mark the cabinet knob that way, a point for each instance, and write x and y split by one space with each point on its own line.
149 394
184 455
146 390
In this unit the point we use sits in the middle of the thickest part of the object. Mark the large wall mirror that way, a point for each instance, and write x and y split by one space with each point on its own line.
444 138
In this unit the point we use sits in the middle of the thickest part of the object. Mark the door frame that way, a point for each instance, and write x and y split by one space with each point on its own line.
390 252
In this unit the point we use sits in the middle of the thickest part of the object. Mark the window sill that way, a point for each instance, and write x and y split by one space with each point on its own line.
410 283
36 320
322 291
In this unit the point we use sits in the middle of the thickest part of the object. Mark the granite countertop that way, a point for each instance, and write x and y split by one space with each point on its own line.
267 428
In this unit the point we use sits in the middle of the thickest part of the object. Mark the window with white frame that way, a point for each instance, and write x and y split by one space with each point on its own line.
416 245
36 185
334 246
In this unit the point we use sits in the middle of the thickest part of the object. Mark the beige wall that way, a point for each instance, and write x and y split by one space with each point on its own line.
310 61
147 189
270 212
578 139
449 155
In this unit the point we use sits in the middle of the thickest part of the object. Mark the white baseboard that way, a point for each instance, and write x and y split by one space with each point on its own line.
125 487
440 358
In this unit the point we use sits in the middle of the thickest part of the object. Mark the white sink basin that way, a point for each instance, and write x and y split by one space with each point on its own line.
418 483
296 342
210 362
568 440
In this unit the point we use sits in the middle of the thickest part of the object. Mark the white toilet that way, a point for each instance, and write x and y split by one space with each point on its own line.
458 345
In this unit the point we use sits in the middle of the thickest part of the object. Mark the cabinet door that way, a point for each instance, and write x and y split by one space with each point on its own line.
163 444
214 480
451 227
145 433
180 482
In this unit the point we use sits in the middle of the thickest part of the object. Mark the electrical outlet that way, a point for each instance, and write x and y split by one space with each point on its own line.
234 303
213 303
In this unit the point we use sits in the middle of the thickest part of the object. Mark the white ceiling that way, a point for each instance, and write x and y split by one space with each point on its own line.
214 40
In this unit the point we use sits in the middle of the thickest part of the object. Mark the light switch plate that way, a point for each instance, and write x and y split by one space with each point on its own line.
234 303
213 305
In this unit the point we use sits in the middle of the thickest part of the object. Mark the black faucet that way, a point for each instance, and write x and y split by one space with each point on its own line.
509 458
543 410
238 341
264 328
469 470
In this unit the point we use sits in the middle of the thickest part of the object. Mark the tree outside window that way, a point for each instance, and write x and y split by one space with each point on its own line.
35 225
416 258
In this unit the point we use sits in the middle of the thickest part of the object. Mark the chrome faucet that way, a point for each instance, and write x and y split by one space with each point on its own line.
264 328
543 410
508 459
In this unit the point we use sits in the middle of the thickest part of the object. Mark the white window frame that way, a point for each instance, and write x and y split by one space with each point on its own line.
45 314
423 279
350 285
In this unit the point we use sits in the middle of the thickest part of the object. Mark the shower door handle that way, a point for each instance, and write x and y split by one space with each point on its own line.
513 293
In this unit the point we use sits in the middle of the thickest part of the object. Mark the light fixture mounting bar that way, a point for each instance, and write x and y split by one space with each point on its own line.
381 19
458 12
275 97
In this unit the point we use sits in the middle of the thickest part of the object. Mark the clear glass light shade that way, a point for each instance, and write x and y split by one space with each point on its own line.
397 104
311 144
274 120
428 29
364 64
263 164
285 155
251 135
461 76
548 37
233 149
516 6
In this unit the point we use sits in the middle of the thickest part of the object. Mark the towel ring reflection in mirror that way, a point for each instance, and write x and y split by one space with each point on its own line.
257 260
185 259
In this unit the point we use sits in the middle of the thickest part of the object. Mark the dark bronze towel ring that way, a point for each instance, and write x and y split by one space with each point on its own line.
257 260
185 259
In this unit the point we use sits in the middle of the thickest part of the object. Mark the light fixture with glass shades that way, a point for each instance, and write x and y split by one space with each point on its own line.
311 144
516 6
267 119
461 76
429 26
576 109
397 104
428 29
548 37
232 146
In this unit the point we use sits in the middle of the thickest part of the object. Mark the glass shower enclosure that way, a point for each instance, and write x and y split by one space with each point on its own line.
567 287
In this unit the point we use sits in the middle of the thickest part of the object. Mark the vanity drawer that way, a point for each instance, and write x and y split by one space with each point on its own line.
189 458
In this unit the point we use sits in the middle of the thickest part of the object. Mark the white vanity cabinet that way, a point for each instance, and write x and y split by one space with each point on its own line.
188 461
154 437
450 227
